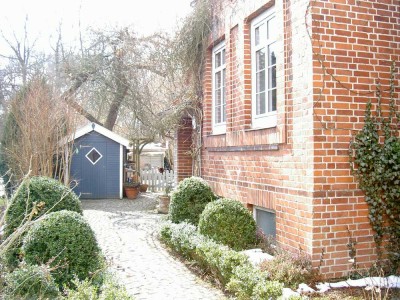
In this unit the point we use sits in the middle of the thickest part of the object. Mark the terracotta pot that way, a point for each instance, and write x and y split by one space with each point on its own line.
163 205
131 192
143 188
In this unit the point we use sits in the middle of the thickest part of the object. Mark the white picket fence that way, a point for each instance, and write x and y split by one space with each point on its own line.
157 181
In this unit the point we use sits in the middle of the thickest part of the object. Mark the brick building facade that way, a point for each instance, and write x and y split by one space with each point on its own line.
285 88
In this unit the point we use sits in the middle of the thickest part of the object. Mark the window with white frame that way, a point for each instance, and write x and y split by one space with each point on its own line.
218 88
263 55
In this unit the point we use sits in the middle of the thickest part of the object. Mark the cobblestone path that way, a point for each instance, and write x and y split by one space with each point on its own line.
127 233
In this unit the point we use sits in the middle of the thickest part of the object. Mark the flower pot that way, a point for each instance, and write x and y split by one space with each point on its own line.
131 192
143 188
163 205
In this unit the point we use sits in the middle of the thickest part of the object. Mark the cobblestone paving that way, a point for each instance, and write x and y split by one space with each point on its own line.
127 233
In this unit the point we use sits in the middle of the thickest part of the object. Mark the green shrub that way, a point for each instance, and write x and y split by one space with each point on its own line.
267 290
243 281
30 282
111 290
52 195
182 237
66 240
214 258
189 199
290 268
219 260
248 283
227 221
86 290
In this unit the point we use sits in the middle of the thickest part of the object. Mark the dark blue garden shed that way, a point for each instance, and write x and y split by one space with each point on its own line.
97 163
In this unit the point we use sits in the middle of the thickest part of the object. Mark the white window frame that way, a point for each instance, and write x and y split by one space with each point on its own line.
218 128
269 118
87 156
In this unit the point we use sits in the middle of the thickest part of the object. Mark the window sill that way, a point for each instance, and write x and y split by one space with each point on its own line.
216 133
262 128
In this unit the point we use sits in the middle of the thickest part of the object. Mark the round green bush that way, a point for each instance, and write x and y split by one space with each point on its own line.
189 199
227 221
30 282
49 194
65 240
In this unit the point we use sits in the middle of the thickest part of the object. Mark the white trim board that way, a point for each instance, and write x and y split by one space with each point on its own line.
103 131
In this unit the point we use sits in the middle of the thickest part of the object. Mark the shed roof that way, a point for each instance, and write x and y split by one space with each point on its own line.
103 131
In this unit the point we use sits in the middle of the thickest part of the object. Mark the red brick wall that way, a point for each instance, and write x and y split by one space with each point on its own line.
354 43
300 168
183 143
268 168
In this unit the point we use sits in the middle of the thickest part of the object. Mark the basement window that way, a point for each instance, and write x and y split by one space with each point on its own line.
266 220
94 156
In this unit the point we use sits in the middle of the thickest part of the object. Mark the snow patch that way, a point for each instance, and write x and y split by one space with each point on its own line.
256 256
382 282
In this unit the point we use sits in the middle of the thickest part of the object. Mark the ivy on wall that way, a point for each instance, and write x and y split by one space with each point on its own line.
375 163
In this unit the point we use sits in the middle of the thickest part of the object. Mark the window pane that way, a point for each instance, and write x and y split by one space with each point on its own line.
224 112
260 60
223 56
218 97
266 221
272 29
218 114
260 98
260 34
272 100
271 54
257 36
272 77
260 82
217 59
218 80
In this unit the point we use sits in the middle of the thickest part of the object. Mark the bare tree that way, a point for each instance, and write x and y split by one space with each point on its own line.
36 126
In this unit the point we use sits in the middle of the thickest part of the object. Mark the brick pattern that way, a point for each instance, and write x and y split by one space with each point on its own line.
183 143
258 167
354 44
300 169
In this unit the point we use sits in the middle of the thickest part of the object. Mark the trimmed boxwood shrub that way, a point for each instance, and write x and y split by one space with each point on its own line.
30 282
214 258
65 240
189 199
248 283
219 260
54 197
227 221
232 269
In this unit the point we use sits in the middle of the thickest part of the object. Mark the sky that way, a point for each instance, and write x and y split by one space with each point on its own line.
44 16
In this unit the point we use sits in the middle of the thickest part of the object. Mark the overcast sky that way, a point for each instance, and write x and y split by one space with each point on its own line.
146 16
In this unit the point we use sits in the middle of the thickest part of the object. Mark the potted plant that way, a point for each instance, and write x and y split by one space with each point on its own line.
143 187
131 189
164 199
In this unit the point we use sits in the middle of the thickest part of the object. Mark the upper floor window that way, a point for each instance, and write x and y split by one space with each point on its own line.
263 63
218 88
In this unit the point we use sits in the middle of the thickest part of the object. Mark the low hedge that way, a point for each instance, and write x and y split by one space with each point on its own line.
30 282
231 268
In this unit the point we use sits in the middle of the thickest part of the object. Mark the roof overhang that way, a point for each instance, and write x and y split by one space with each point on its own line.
101 130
